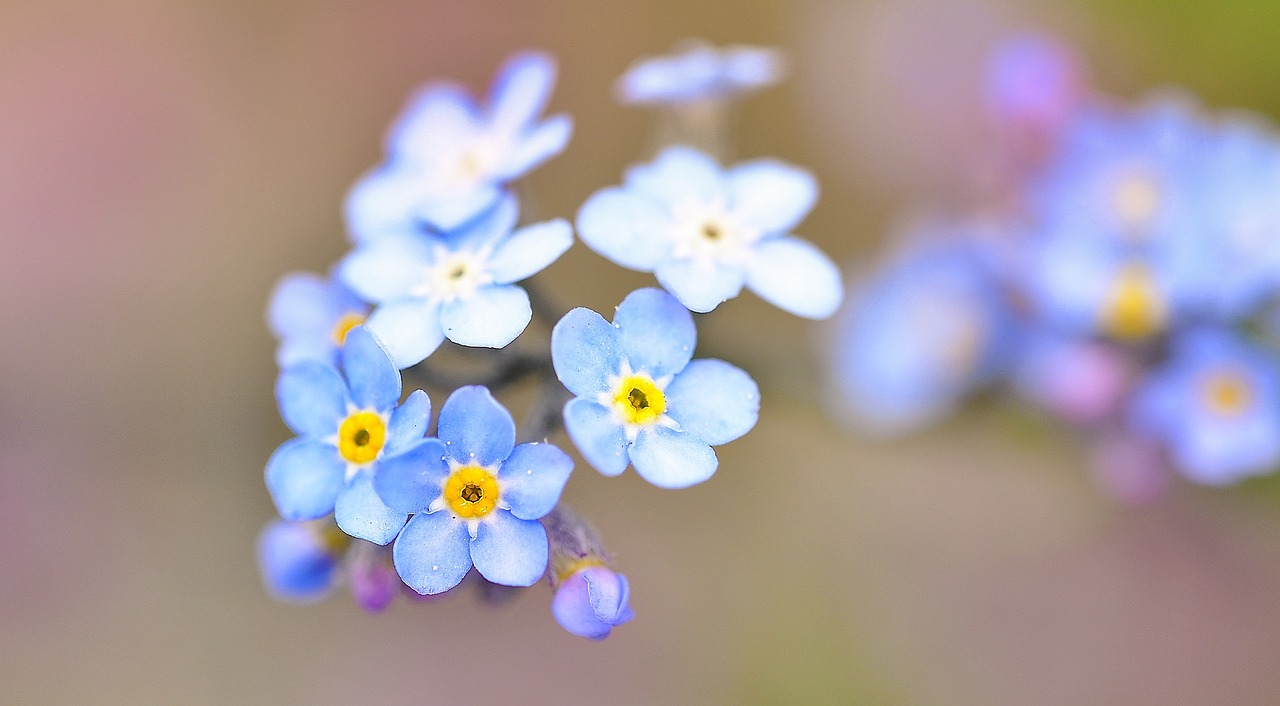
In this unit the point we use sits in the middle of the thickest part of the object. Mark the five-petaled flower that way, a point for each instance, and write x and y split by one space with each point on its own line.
311 316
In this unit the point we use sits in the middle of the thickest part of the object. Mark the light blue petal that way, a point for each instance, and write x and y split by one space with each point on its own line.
492 317
304 477
521 90
489 228
432 553
679 175
371 376
598 435
408 422
714 401
545 141
410 481
452 211
655 332
475 428
672 459
533 478
307 348
409 328
609 593
510 551
585 352
796 277
362 514
312 398
771 195
382 202
530 250
295 566
434 119
700 286
304 303
571 607
387 268
627 227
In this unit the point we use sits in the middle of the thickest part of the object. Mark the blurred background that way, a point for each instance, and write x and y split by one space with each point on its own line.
163 163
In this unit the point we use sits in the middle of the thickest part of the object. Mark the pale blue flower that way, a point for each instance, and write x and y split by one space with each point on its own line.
311 316
699 71
300 561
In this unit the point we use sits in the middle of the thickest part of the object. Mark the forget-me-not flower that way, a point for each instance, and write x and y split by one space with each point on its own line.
639 399
448 159
591 601
476 498
311 316
706 232
300 561
699 71
457 286
347 422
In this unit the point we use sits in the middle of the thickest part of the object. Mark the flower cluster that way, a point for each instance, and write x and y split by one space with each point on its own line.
374 492
1130 288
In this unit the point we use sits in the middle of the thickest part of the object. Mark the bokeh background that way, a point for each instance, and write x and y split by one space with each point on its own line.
163 163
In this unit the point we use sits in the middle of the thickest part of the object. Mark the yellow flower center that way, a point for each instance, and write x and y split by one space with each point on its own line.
1135 309
563 568
1227 393
348 321
1136 200
361 437
639 400
471 492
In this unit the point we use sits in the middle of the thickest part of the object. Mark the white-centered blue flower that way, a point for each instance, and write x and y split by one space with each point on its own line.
458 286
639 399
476 498
699 71
449 158
707 232
311 317
347 422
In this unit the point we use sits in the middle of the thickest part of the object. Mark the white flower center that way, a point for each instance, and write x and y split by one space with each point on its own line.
455 275
710 233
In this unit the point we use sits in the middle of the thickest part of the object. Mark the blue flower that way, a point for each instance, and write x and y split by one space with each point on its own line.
347 423
699 71
299 561
639 399
706 232
476 498
1216 406
449 159
920 335
311 316
591 601
457 286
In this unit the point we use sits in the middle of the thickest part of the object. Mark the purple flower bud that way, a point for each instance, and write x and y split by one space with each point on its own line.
592 601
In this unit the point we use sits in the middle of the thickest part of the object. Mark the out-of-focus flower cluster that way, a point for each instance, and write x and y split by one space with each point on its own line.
375 493
1125 279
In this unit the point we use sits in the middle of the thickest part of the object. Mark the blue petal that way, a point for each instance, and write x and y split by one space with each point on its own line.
585 352
295 565
432 553
411 481
571 607
510 551
387 268
679 175
627 227
655 332
303 303
700 286
714 401
312 398
491 317
476 428
304 477
521 90
598 435
434 119
796 277
361 514
533 478
672 459
409 328
545 141
771 195
456 210
493 226
408 422
382 202
609 593
530 250
372 377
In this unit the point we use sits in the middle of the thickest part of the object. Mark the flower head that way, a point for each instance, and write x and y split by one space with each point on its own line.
476 498
706 232
300 561
639 399
311 317
449 158
699 71
590 598
347 422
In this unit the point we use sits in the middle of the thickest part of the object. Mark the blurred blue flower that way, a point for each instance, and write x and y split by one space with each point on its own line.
311 316
457 286
706 232
448 158
1216 406
919 335
699 71
299 561
639 399
591 601
347 422
476 498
